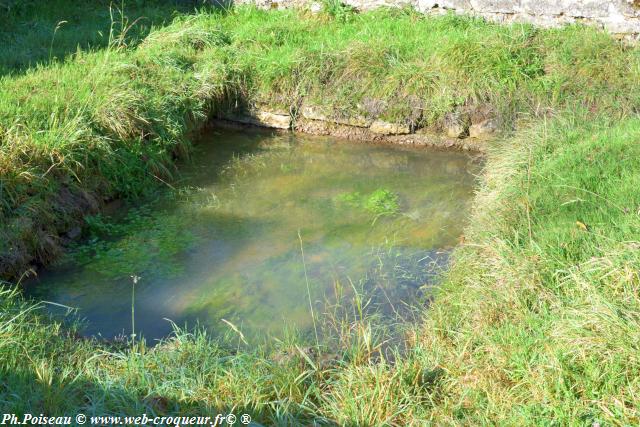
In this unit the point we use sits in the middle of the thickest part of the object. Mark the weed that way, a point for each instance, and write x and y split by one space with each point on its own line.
338 10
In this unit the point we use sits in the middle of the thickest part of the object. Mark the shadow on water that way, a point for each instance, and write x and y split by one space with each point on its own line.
104 300
37 32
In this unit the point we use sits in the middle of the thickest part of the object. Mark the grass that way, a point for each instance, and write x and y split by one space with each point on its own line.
188 374
552 279
36 33
101 124
537 321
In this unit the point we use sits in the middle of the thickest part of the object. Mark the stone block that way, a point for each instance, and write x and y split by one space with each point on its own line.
455 4
425 6
485 129
381 127
573 8
496 6
313 112
627 8
357 121
456 124
265 119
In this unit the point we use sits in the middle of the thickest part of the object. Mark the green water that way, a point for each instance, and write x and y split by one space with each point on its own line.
374 220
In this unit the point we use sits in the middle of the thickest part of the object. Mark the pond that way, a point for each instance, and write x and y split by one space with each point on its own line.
266 232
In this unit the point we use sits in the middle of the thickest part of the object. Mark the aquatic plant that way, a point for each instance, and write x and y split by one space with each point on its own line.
353 199
145 243
380 202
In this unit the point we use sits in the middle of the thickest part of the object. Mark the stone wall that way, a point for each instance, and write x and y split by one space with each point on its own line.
620 17
462 129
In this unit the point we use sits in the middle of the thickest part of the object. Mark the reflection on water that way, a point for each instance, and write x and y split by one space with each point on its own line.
227 243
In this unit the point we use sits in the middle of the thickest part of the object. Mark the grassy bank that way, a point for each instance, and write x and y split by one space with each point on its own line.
98 125
537 322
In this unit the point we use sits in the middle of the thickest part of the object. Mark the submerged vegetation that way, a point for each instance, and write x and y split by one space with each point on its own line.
536 323
144 241
381 202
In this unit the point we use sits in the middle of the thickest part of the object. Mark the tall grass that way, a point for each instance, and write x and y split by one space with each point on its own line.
285 383
103 124
35 32
537 321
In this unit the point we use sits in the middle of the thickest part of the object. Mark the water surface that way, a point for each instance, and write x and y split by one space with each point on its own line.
228 243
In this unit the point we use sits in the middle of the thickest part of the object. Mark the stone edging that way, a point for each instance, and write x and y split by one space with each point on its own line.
460 131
